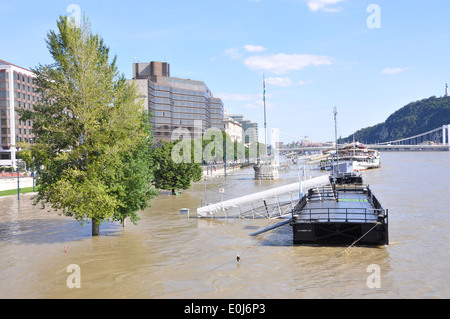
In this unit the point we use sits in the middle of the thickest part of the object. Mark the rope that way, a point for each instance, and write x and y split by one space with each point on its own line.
347 250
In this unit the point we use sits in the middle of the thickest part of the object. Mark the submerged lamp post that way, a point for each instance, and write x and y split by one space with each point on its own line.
33 173
33 176
18 169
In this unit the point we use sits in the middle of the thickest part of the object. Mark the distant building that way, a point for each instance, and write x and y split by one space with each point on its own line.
175 102
233 128
17 90
250 128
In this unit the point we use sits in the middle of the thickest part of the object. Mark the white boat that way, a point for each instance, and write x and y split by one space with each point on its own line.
361 157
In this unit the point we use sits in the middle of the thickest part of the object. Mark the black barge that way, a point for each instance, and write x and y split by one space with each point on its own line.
340 214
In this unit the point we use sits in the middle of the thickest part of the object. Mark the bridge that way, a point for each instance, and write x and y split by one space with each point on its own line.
437 139
434 140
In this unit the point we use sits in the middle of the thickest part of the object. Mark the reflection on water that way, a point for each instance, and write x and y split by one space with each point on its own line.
169 255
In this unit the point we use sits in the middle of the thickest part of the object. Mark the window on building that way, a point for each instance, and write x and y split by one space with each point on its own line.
5 155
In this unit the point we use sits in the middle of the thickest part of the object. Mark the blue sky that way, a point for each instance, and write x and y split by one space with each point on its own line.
314 54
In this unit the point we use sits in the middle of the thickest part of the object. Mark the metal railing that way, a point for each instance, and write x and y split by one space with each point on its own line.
346 215
339 214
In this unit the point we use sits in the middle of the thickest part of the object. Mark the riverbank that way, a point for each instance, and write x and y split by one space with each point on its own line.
11 183
12 192
219 171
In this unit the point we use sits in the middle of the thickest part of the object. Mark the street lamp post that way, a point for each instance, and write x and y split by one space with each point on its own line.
33 173
18 170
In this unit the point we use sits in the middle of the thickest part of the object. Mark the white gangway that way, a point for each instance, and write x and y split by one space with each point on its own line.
273 203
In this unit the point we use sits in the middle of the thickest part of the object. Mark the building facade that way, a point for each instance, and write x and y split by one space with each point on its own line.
17 90
233 128
250 128
176 103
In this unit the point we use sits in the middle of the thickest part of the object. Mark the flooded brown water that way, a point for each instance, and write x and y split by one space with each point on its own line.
168 255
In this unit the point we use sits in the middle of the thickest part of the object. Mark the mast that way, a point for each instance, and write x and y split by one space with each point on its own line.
265 122
335 137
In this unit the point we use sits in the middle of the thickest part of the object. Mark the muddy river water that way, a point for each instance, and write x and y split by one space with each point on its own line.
170 255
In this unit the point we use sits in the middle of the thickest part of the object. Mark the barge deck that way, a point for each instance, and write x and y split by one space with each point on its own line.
340 215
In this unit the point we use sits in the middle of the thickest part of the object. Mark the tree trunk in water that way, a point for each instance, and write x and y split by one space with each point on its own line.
95 227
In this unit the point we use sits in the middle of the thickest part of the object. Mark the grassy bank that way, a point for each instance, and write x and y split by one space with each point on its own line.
14 191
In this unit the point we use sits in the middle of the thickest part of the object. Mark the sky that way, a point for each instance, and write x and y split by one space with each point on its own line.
366 58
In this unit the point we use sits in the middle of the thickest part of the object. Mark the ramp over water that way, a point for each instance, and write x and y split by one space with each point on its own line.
272 203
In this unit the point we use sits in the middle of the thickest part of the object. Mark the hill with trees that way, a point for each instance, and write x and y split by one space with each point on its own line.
413 119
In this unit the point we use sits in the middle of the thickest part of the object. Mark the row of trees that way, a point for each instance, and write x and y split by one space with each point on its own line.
93 140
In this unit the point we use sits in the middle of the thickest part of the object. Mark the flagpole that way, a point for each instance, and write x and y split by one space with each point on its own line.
265 122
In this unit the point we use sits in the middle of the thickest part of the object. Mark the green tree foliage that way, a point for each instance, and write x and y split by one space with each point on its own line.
91 133
134 185
173 171
219 147
413 119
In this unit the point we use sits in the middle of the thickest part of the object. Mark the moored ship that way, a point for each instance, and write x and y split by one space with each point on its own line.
362 157
340 215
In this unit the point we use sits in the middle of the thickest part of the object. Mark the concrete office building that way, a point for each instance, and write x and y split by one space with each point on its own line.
16 91
250 128
175 102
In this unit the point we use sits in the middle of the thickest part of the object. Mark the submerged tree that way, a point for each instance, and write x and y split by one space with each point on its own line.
172 174
90 128
135 183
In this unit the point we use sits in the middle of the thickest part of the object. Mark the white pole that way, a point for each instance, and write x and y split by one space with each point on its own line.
448 132
444 135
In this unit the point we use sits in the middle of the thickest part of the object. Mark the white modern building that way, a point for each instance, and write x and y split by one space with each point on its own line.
17 90
233 128
250 129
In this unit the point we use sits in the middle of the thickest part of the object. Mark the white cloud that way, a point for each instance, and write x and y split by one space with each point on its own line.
316 5
249 101
279 81
282 63
233 53
304 82
260 105
285 81
390 71
254 48
237 96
